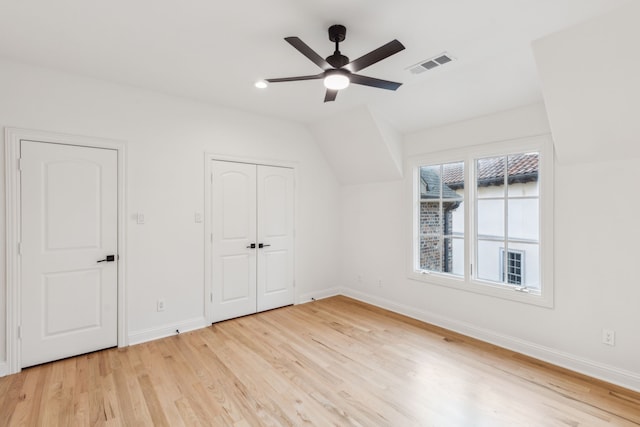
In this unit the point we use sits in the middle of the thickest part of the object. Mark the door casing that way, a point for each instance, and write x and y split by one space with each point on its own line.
208 158
13 136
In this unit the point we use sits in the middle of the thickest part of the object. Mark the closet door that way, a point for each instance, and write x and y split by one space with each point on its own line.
275 237
252 238
233 211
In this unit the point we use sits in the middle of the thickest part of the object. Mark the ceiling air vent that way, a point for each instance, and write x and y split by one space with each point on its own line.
431 63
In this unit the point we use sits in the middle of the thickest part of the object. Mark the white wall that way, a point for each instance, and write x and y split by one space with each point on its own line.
344 138
596 235
166 140
589 76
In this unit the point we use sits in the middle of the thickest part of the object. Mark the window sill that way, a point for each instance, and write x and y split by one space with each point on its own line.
483 288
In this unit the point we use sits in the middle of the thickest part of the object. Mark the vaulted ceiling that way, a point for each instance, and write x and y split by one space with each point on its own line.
214 51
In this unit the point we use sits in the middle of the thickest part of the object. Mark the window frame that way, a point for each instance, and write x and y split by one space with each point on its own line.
542 144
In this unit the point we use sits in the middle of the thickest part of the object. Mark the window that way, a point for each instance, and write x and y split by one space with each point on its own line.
442 218
478 237
515 265
507 216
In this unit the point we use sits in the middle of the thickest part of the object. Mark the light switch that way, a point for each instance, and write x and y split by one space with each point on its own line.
140 218
198 216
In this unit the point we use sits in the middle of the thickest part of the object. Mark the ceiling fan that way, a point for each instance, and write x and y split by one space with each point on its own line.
338 71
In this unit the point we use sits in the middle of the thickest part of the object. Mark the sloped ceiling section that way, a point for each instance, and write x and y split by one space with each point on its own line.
591 86
360 146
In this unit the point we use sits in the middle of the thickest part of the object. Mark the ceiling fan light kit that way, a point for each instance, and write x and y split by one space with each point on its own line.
338 72
336 79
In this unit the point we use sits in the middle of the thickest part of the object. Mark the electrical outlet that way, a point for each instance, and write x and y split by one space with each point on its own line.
160 305
140 218
609 337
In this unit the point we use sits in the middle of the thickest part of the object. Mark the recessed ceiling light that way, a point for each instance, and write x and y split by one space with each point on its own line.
261 84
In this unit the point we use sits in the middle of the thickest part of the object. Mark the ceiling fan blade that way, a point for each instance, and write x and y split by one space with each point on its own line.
330 95
295 79
308 52
373 82
375 55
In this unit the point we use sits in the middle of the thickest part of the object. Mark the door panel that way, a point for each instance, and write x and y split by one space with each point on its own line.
85 287
79 227
69 222
275 266
233 209
237 204
237 278
275 228
274 203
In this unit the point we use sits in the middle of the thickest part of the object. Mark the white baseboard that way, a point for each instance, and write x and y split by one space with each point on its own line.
627 379
325 293
138 337
4 369
151 334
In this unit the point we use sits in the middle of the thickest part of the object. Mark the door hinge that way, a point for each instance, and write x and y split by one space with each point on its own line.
19 248
471 269
211 296
20 164
211 237
211 178
19 332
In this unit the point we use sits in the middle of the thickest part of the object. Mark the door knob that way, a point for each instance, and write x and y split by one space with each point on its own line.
109 258
251 246
262 245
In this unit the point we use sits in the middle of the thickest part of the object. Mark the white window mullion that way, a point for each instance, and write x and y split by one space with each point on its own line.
505 199
471 239
469 251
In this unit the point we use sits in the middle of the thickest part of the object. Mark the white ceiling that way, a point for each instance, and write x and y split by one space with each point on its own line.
214 51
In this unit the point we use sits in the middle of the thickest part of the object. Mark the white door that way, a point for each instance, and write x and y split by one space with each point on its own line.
233 226
252 245
69 223
275 237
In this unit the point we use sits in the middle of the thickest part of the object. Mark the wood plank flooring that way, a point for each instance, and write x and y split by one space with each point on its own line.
334 362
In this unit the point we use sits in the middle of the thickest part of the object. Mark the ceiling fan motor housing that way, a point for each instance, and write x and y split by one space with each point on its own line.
337 33
337 60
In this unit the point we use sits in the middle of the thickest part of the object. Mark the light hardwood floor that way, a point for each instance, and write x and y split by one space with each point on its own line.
331 362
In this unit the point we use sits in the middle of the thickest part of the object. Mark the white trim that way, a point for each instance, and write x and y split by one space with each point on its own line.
325 293
13 136
151 334
4 369
541 143
208 158
252 160
621 377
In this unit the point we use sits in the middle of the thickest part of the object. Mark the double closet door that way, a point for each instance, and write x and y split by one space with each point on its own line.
252 213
